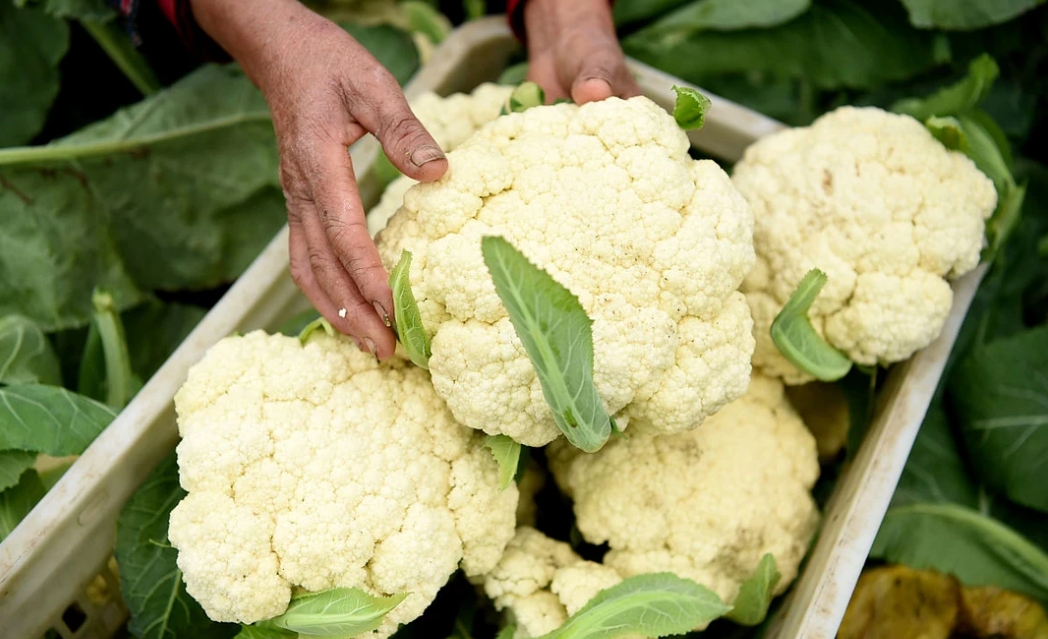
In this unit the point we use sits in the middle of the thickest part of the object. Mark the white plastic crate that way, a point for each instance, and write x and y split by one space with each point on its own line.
51 560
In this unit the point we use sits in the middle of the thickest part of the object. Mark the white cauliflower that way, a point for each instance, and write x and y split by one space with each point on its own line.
316 467
450 120
604 197
541 582
705 504
885 210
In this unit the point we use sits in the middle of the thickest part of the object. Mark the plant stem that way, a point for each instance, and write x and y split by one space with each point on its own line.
120 385
59 152
123 55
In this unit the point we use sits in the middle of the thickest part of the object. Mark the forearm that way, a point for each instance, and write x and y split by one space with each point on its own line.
255 33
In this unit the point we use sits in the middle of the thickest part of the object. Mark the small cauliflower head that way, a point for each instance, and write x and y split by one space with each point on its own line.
540 582
605 198
316 467
450 120
884 209
705 504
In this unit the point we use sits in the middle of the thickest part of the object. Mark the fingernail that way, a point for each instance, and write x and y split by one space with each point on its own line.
425 154
371 345
382 313
359 344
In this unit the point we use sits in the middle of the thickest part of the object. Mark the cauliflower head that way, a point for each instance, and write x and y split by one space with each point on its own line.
605 198
540 582
316 467
705 504
884 209
450 120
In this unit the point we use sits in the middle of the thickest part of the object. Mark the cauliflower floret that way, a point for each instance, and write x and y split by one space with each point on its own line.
885 210
316 467
541 582
705 504
450 120
605 198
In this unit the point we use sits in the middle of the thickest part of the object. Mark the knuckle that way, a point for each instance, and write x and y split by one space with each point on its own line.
339 229
319 261
402 130
294 214
361 269
294 185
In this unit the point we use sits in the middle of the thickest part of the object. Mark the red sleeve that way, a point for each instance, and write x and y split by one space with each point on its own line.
515 15
180 15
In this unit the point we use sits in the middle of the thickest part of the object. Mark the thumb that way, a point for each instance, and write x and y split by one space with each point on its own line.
595 77
408 145
602 74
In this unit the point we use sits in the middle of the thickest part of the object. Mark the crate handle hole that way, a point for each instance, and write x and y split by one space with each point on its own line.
74 617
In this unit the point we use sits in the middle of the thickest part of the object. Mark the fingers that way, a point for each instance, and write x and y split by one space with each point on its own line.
378 103
342 254
542 71
302 273
321 276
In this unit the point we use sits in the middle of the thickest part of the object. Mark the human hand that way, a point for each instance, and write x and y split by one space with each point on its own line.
573 51
325 91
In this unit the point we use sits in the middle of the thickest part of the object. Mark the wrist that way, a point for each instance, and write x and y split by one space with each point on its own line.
546 21
254 33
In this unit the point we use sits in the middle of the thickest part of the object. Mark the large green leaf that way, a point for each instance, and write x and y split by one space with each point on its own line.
32 44
965 14
98 10
16 502
176 192
12 464
935 472
1000 394
558 337
49 419
392 47
26 355
339 612
977 136
628 11
259 632
953 539
154 330
150 580
839 43
651 605
957 98
726 15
